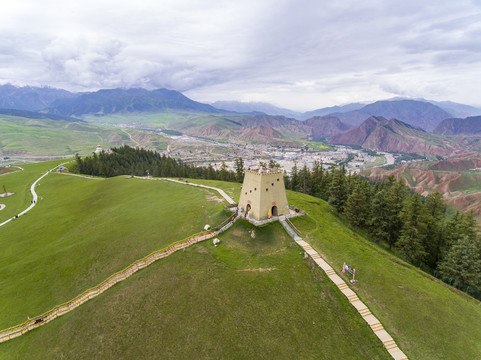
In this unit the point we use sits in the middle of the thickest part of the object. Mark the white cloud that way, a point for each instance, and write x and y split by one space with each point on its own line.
302 55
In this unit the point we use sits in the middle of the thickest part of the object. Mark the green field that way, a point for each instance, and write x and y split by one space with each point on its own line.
250 297
247 298
428 319
22 136
85 230
203 302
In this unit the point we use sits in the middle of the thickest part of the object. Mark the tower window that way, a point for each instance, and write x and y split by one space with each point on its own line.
267 189
277 179
255 189
250 191
246 192
272 184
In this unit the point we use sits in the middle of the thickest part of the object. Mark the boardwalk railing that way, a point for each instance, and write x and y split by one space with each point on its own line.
62 309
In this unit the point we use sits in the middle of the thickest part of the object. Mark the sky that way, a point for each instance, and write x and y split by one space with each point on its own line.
302 54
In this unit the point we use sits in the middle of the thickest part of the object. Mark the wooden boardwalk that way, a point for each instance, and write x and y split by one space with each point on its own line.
363 310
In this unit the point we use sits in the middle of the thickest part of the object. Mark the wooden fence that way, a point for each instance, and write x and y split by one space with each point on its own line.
62 309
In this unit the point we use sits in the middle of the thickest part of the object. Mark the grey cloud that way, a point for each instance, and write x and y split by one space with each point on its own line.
276 50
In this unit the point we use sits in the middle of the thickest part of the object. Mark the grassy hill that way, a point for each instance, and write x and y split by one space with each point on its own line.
25 136
253 296
249 297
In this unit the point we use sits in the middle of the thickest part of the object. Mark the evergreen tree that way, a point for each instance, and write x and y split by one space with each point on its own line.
379 218
395 196
433 239
223 175
316 178
239 169
463 263
305 180
337 190
295 182
357 206
410 243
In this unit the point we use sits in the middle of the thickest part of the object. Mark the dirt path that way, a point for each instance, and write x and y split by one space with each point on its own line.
131 138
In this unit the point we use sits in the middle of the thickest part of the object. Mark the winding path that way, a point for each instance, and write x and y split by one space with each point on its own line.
34 194
131 138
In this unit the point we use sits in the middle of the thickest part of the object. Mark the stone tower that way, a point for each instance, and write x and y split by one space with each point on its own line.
263 194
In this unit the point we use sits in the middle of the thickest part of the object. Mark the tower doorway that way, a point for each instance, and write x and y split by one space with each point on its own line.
248 208
274 211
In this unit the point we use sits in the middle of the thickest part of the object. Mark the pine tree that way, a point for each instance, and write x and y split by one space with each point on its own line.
410 243
295 182
224 175
357 206
305 180
337 190
435 209
379 218
316 178
463 263
395 197
239 169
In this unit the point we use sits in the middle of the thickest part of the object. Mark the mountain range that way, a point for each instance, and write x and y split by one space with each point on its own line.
423 113
404 132
468 126
378 133
112 101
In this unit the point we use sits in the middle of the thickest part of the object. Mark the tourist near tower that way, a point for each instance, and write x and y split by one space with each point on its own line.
263 194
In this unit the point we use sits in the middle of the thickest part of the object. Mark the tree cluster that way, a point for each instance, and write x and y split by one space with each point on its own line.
417 228
126 160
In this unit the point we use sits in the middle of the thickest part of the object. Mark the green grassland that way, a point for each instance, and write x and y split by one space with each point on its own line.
85 230
161 119
428 319
19 183
250 297
22 136
247 298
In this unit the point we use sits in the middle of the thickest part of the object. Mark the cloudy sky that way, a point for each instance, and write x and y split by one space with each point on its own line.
297 54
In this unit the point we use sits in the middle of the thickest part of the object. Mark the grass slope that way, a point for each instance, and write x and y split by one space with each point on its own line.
426 318
85 230
247 298
19 183
55 137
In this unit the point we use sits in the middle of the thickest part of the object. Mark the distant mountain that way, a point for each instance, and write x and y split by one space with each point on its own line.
113 101
469 126
284 125
332 109
255 107
456 109
325 126
377 133
30 98
412 112
36 115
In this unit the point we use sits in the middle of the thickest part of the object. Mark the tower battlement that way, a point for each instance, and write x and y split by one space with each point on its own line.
263 194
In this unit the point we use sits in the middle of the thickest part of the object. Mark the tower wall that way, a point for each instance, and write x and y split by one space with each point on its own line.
263 189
